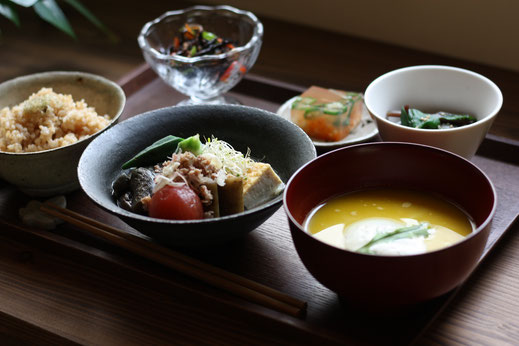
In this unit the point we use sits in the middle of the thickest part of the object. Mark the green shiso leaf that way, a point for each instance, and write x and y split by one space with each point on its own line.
155 153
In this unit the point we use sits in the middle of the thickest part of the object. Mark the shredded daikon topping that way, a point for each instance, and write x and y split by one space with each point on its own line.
224 156
162 180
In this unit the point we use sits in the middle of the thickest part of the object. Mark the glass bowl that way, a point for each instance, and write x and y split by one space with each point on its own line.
206 77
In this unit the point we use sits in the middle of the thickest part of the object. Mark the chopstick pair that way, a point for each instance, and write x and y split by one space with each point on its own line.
232 283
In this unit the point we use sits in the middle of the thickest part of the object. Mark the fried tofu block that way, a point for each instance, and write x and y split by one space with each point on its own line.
262 184
230 196
327 114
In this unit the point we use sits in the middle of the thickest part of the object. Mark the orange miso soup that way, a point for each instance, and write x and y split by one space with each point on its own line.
389 222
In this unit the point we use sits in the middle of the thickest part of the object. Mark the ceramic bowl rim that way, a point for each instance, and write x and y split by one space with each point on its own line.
483 225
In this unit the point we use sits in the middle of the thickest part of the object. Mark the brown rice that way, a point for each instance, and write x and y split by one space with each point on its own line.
47 120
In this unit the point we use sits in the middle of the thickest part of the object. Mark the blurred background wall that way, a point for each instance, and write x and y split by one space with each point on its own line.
477 30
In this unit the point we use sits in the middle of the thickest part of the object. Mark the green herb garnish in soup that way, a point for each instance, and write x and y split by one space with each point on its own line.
412 117
389 222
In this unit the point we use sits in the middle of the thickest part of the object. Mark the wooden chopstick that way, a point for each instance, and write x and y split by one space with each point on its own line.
238 285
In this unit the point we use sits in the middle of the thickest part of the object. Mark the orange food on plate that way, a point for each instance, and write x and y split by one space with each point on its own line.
327 114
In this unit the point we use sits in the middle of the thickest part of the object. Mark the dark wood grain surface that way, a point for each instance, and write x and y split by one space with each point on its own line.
66 287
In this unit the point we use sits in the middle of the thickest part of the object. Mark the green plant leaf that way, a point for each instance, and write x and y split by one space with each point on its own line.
423 120
49 11
92 18
8 11
456 119
418 119
405 119
24 3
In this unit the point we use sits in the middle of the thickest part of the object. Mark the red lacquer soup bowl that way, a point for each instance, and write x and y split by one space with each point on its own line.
390 281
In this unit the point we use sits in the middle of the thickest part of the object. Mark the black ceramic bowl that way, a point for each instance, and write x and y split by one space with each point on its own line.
270 138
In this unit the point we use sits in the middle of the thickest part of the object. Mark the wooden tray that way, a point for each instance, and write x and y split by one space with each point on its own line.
66 286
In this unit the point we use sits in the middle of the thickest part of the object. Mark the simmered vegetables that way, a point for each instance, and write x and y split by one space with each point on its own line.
176 203
194 180
192 40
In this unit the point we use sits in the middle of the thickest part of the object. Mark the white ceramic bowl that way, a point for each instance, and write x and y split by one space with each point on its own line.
54 171
435 88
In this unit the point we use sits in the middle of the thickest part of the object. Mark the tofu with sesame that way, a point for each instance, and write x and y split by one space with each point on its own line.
262 184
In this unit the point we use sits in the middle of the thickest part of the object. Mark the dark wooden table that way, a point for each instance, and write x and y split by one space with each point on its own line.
69 288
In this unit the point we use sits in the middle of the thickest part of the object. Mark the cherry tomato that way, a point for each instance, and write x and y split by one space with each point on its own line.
176 203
